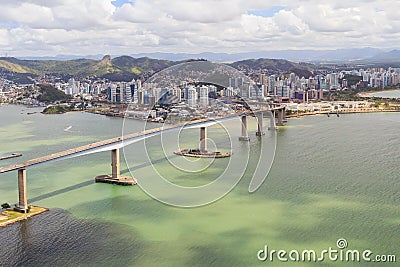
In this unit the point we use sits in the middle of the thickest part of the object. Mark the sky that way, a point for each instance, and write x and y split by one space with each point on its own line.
117 27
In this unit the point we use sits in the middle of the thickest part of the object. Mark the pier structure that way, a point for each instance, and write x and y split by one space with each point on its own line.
245 136
115 177
272 122
203 140
260 117
22 205
281 116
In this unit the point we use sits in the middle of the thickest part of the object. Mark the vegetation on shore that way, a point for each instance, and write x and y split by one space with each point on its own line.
56 109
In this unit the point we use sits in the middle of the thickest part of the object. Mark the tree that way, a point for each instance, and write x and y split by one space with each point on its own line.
5 206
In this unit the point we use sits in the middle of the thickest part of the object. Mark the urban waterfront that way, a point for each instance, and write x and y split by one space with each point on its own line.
333 177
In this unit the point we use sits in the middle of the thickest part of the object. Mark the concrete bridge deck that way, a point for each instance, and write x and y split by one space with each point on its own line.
105 144
119 142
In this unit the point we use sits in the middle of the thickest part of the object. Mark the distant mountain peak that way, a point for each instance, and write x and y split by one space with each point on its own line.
106 60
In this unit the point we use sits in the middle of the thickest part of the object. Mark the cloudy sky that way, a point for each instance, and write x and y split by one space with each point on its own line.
88 27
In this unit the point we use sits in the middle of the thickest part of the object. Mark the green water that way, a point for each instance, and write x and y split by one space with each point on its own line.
332 178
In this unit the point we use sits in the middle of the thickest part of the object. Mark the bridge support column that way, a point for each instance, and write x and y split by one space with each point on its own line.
284 115
115 165
272 125
260 124
22 200
203 139
245 136
280 117
115 177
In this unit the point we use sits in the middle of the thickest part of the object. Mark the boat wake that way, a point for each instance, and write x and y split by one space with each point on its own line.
68 129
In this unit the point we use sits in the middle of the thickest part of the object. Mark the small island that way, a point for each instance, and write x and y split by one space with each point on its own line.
49 94
56 110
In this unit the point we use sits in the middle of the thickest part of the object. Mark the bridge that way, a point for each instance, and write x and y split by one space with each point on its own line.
114 144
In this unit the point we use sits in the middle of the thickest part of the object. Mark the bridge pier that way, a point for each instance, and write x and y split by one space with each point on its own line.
115 165
280 117
284 115
272 125
203 139
115 177
245 136
22 199
260 124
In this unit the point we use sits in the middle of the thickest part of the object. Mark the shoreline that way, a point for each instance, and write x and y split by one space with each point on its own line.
342 112
369 94
362 94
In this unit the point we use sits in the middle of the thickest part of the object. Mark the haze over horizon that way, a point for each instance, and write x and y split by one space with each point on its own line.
84 27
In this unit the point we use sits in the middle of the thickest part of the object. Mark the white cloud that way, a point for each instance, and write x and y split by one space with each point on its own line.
49 27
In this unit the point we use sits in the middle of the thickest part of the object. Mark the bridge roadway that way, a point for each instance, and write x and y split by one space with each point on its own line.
119 142
106 145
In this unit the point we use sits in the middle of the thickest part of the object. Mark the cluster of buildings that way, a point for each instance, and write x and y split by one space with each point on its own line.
293 88
375 77
149 95
18 93
278 87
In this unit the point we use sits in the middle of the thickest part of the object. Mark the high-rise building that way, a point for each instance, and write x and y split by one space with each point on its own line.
133 91
176 91
72 87
245 90
236 82
333 81
192 96
203 96
292 80
271 85
112 93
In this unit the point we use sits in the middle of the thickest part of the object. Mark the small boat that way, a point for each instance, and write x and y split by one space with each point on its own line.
67 129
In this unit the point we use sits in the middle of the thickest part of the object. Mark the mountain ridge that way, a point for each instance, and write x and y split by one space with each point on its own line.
126 68
297 55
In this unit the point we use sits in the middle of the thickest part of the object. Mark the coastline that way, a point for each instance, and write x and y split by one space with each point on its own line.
341 112
293 115
369 94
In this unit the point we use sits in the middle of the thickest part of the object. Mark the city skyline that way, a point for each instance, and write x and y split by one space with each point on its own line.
127 27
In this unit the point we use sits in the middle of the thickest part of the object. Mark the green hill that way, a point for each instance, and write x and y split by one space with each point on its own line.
49 94
140 65
14 67
72 67
120 66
